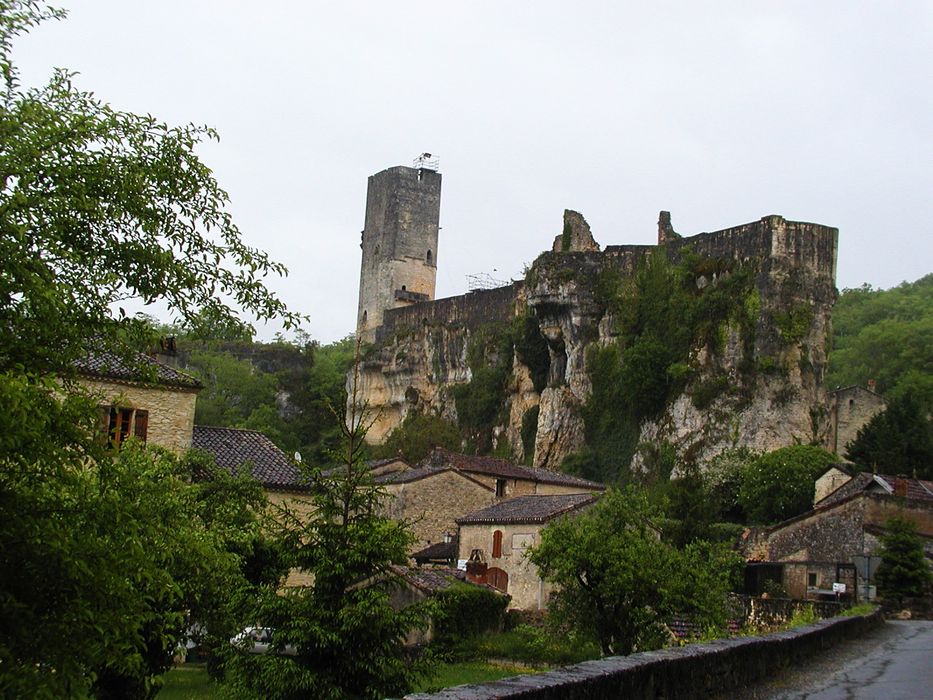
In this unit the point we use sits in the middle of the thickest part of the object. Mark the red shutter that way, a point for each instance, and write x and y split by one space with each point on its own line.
142 425
497 544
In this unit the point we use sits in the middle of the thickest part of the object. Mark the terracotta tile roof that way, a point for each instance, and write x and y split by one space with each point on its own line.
917 489
529 509
503 468
108 365
234 447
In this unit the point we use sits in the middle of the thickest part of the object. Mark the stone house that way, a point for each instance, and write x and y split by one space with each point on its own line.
145 399
496 539
447 485
813 550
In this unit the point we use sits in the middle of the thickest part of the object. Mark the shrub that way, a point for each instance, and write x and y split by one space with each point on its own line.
465 610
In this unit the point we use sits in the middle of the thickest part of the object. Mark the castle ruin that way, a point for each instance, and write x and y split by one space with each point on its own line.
421 346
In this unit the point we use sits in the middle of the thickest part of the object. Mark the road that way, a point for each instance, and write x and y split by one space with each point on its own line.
892 663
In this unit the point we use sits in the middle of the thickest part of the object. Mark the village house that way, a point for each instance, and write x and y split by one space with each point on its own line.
141 398
810 552
447 485
495 540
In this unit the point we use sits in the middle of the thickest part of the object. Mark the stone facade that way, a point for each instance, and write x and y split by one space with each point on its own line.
433 503
850 409
816 548
835 477
399 242
171 409
525 585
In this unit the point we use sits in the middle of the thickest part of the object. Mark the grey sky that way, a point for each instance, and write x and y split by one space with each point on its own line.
720 112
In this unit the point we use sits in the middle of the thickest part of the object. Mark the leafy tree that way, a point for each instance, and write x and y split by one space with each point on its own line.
885 335
723 481
619 582
418 434
779 485
899 439
348 639
104 560
904 571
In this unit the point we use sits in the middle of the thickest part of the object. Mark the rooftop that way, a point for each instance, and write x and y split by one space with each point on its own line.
917 489
141 368
529 509
492 466
234 447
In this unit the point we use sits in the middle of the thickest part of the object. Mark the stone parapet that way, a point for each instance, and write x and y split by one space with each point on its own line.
692 671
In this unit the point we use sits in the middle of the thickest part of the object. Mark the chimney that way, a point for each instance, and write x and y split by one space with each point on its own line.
871 386
900 486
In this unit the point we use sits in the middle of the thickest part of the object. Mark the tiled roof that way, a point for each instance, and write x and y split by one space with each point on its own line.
916 488
145 369
430 580
529 509
233 447
408 475
503 468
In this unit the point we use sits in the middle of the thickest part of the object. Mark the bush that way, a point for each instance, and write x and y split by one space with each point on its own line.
904 572
779 484
418 434
464 611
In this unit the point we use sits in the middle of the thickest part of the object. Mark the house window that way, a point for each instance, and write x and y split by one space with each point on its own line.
811 580
500 488
497 544
121 423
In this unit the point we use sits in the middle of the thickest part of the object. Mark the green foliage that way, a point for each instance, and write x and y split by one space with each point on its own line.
904 571
803 616
531 348
107 558
480 401
530 432
418 434
465 610
120 207
794 324
619 582
662 314
885 335
565 237
467 672
779 484
723 481
693 515
899 439
529 645
349 639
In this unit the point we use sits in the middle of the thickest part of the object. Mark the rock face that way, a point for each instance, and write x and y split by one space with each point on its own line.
766 373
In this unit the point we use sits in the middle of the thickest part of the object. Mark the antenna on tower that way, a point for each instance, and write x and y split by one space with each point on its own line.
426 161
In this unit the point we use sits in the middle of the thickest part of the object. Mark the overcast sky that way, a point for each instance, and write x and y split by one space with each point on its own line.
721 112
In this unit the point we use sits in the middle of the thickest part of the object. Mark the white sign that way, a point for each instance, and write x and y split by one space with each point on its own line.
839 588
461 564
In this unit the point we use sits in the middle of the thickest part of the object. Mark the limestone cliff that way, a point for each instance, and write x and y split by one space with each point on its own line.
751 374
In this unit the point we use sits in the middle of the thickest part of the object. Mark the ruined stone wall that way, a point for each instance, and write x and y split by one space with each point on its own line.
422 349
171 409
468 311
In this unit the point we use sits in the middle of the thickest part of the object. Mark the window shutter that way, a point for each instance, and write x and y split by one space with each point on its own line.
142 425
497 544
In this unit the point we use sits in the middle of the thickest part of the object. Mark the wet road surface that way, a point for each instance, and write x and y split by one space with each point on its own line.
892 663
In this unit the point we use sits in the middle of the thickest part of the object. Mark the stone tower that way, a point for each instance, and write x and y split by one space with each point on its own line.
399 243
